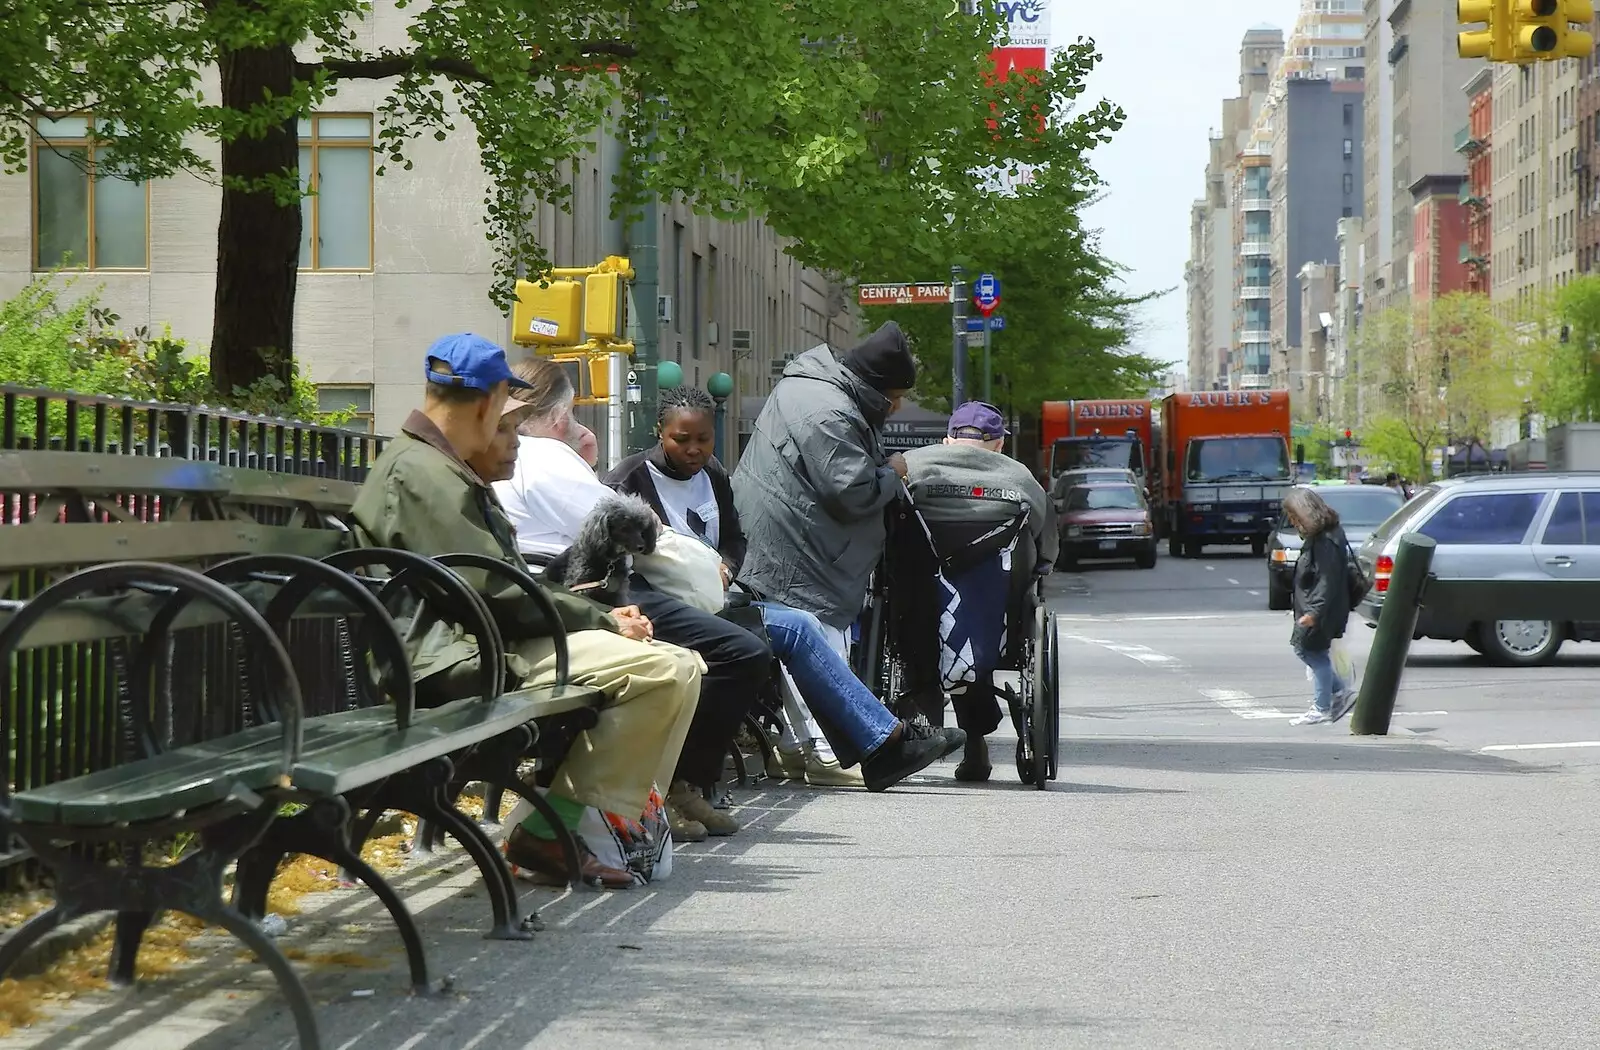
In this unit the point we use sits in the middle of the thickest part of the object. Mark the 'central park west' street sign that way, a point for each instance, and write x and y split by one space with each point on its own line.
905 294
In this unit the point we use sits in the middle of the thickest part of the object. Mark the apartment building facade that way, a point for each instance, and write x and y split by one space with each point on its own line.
388 263
1428 107
1375 250
1537 159
1475 142
1588 188
1316 176
1216 275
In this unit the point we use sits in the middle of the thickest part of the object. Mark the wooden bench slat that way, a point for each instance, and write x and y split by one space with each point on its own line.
153 788
106 473
46 545
342 751
98 619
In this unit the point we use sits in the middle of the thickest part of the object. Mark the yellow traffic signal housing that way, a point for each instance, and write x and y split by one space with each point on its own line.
1540 30
602 307
590 374
1492 42
1577 43
549 314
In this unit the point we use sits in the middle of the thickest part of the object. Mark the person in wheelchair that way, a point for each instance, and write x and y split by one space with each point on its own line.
976 502
687 487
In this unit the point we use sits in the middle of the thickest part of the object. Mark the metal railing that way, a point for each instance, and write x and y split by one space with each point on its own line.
69 714
67 421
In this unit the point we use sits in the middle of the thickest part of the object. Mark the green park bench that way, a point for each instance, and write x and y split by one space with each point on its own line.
198 654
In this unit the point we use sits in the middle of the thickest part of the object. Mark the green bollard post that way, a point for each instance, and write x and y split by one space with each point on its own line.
1392 641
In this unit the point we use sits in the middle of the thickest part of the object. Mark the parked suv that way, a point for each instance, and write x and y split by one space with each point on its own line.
1361 508
1070 479
1106 521
1530 526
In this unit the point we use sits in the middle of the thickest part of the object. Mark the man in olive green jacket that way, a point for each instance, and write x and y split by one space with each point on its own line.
422 496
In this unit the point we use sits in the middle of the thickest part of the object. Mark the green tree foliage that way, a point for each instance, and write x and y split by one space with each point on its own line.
1068 317
1389 445
1561 333
847 123
54 338
1440 372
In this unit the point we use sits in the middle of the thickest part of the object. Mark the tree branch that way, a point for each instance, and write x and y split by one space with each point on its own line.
382 67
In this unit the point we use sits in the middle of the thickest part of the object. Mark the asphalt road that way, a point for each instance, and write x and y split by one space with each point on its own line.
1206 622
1203 875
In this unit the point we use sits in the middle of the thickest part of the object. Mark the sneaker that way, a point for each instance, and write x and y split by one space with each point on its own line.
954 740
692 805
1313 716
1342 704
826 772
918 747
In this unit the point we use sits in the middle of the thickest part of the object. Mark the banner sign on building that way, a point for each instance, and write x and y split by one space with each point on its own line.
1024 47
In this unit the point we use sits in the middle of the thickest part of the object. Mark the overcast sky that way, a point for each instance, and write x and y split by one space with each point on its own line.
1168 63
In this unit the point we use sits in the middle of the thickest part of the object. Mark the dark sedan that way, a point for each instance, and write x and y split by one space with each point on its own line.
1361 509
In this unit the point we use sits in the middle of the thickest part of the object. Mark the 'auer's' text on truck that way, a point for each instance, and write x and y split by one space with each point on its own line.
1224 463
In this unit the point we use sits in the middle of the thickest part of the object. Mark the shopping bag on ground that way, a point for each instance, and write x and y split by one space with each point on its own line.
642 845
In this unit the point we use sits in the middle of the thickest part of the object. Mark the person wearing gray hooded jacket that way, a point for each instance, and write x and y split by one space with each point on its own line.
813 484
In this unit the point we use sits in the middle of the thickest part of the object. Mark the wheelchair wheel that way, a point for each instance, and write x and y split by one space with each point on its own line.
1052 689
1044 704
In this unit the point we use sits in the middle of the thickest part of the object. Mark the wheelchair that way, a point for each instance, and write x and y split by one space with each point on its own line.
927 571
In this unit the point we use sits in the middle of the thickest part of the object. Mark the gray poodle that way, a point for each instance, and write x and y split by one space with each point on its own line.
595 566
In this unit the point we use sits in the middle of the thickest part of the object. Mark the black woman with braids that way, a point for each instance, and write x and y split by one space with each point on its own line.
689 490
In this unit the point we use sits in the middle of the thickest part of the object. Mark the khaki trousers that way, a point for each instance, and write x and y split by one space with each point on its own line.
651 691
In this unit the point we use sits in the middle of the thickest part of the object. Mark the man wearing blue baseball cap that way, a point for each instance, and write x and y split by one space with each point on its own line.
422 496
968 485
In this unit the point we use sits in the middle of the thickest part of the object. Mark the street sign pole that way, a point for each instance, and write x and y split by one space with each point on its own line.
988 378
958 329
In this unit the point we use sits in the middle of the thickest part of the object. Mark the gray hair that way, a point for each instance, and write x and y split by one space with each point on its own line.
549 394
1308 511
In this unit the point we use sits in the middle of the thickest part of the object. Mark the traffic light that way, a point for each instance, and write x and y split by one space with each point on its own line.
1541 30
1494 40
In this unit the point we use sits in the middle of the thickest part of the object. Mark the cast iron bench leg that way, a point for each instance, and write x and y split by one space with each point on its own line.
322 831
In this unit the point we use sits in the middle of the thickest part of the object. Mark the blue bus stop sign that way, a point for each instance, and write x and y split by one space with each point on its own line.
987 290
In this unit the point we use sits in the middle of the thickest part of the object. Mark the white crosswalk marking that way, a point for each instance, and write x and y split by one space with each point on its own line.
1243 704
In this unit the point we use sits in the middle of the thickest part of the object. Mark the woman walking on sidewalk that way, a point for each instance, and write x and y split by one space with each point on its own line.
1321 601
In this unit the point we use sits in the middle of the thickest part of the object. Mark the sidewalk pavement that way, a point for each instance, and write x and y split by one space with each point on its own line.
1244 893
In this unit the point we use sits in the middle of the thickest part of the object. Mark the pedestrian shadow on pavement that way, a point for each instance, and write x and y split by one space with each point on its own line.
1349 755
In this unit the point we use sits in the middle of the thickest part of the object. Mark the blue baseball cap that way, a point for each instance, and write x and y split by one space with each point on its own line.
979 420
472 361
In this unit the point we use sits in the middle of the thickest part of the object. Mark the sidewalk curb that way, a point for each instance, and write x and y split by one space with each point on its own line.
70 935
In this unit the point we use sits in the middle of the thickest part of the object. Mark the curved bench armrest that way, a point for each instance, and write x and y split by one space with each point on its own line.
304 577
416 572
279 680
530 586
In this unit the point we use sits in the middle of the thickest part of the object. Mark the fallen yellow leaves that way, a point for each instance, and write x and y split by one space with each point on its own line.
168 944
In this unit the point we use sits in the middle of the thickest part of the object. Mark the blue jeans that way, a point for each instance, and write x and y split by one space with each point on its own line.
1325 681
827 684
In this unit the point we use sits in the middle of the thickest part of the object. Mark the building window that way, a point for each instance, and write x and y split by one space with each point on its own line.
348 397
697 297
678 302
336 169
83 214
1349 183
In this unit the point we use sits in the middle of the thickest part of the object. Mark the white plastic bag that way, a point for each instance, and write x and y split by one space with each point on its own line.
1344 665
687 569
640 846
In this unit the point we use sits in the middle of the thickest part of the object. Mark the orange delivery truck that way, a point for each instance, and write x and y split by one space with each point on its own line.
1096 433
1224 465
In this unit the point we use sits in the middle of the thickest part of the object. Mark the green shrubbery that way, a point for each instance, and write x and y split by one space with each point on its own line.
54 338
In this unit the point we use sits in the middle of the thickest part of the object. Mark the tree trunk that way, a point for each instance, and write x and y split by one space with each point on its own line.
258 238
